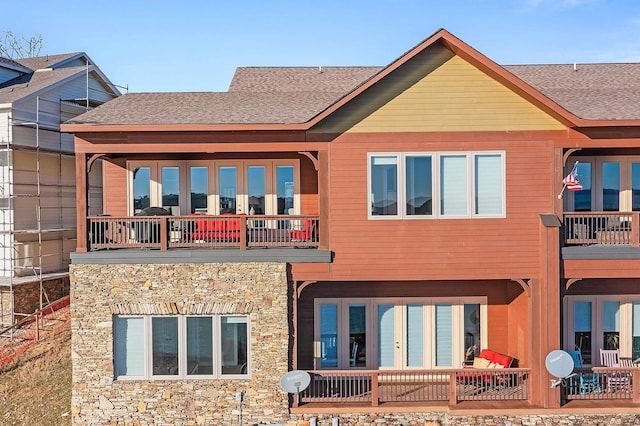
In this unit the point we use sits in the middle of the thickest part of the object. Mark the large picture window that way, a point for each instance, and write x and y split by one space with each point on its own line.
428 185
182 346
399 333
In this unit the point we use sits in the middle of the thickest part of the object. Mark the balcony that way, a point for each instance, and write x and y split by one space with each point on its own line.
202 238
448 387
603 383
600 236
604 228
451 387
202 231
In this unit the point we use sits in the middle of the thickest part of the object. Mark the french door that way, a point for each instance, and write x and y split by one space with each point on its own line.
610 183
398 333
257 187
603 322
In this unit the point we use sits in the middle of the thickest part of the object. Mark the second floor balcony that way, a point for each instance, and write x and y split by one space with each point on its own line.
601 228
156 228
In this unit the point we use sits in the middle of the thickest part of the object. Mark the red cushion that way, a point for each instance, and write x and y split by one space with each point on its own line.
487 354
502 359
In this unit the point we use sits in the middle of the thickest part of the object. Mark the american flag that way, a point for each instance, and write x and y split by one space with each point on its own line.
571 181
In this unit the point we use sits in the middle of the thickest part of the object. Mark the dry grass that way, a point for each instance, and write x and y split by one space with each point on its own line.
35 389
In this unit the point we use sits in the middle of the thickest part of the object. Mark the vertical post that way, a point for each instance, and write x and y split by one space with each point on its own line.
243 232
323 199
635 229
374 389
453 397
37 327
635 385
164 233
544 312
81 201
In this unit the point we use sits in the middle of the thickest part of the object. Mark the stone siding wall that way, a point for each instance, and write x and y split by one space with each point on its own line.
97 291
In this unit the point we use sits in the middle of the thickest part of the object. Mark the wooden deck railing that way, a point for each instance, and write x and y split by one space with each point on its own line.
601 228
604 383
448 386
197 231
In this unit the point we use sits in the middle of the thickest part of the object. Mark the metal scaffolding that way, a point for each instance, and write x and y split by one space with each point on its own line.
32 209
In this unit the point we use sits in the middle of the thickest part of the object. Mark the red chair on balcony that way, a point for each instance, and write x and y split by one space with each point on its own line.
306 231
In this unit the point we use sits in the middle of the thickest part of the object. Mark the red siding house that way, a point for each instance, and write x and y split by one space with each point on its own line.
401 233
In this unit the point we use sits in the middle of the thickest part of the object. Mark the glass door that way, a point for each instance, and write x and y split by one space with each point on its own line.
256 189
228 202
170 195
357 335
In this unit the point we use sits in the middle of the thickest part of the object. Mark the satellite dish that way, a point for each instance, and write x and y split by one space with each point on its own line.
559 364
295 381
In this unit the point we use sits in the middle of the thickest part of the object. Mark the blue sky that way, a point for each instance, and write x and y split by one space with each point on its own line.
160 46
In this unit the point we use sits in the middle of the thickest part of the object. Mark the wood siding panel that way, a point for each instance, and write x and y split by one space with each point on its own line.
308 187
474 248
456 97
595 268
115 189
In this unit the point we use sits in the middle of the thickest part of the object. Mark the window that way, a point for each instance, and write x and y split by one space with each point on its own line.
182 346
390 333
270 187
446 185
384 186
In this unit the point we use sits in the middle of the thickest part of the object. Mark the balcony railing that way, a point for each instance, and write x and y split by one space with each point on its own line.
199 231
613 228
604 383
374 387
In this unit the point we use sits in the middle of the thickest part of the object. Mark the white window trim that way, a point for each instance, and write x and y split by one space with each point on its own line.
436 182
182 349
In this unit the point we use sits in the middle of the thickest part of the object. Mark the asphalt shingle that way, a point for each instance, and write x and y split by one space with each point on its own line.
290 95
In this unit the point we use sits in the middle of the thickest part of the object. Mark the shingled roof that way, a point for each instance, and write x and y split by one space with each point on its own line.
295 95
28 84
589 91
48 61
262 95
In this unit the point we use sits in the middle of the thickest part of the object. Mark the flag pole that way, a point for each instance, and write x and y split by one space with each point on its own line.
565 185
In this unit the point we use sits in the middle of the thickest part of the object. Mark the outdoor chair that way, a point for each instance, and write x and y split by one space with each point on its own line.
306 231
615 380
589 383
609 357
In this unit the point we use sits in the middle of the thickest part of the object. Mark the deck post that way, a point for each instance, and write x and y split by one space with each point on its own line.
81 201
453 397
164 234
243 232
375 399
635 385
635 229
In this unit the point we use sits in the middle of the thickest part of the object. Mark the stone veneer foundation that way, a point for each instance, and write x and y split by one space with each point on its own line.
98 291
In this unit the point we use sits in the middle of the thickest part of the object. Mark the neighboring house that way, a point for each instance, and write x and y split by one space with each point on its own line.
376 226
37 175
